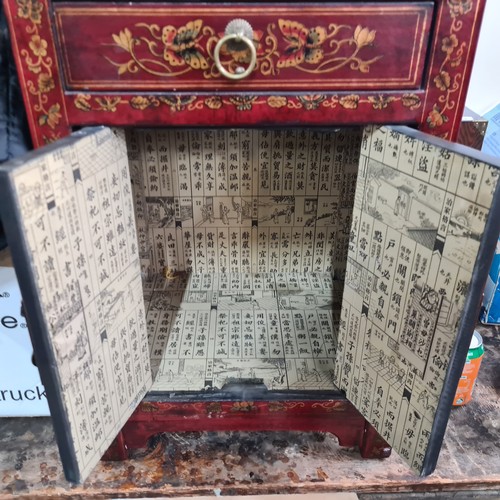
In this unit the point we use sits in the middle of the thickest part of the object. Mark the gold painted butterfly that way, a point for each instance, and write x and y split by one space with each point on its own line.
303 44
181 45
177 102
311 102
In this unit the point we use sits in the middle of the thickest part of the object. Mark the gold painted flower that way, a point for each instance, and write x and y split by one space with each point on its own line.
436 118
140 102
214 102
123 39
53 115
82 102
411 101
52 138
363 36
146 407
276 406
460 7
215 407
30 9
277 101
449 44
243 406
38 46
443 80
45 82
349 101
35 68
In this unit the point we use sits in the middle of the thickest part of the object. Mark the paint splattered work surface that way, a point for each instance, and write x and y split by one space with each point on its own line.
205 329
264 462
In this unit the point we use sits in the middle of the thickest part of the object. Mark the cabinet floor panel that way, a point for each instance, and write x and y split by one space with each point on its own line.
206 330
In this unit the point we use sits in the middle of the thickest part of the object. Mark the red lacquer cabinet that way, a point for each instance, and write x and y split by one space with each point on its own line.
283 254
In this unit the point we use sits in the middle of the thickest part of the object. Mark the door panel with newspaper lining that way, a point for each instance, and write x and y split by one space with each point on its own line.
420 220
68 212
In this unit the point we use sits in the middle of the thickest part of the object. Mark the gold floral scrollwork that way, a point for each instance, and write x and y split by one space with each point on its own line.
436 117
87 103
83 102
146 407
349 101
142 102
181 103
321 49
214 102
45 82
163 51
215 407
277 101
447 79
51 116
411 101
290 405
459 7
276 407
331 406
30 9
169 51
380 101
38 62
243 406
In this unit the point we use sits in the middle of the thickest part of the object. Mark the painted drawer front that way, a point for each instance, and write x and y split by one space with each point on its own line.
166 47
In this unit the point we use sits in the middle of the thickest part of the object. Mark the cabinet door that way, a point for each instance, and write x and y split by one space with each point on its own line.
420 246
68 215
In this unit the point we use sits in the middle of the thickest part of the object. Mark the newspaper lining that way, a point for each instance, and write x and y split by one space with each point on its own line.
259 221
76 212
418 219
243 201
205 329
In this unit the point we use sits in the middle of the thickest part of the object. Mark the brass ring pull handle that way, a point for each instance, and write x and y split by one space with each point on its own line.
237 31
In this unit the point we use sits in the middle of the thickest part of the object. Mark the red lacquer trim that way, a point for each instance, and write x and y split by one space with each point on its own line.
36 61
454 45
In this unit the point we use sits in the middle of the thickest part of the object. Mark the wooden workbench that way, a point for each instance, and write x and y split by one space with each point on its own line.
250 463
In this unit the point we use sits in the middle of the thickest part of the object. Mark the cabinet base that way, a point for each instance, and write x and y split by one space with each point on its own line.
338 417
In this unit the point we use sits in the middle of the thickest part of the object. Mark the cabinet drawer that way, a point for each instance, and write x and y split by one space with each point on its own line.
170 47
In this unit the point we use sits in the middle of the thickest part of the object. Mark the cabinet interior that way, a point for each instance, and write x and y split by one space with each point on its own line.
239 250
243 237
